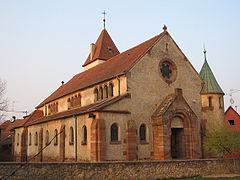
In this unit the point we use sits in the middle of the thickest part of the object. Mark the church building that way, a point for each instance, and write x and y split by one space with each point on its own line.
147 103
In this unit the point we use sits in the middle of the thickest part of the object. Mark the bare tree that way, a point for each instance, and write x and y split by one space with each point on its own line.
3 99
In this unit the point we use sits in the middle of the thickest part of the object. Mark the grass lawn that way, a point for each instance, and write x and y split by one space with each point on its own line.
204 178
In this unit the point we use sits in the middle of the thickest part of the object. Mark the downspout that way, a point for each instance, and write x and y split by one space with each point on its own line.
75 118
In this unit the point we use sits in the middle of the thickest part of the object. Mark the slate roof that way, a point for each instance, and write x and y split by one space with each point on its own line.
95 107
115 66
104 48
210 83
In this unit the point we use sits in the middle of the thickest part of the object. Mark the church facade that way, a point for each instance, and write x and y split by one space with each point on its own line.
147 103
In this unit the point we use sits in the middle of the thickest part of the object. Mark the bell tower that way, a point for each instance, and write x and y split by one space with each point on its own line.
212 99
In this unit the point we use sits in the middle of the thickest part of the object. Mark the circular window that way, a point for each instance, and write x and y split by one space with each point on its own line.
168 70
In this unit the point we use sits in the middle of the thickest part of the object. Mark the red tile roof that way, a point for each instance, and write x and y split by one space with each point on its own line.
7 126
117 65
95 107
104 48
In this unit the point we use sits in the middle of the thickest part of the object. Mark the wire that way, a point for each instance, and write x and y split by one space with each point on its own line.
22 165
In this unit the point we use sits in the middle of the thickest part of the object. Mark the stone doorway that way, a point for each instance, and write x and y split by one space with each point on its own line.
177 143
177 132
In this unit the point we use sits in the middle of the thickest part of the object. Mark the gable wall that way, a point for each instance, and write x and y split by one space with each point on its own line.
148 89
232 115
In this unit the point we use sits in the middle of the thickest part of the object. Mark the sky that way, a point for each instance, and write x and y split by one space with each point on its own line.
45 42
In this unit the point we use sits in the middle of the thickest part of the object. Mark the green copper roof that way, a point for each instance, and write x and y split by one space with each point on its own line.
210 83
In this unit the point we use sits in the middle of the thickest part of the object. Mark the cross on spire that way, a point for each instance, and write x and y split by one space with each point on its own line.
104 19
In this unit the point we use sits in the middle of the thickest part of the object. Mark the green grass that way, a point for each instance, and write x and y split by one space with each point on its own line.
203 178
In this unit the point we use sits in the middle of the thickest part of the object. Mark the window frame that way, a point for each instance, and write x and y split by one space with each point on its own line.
55 137
114 133
84 135
71 135
143 129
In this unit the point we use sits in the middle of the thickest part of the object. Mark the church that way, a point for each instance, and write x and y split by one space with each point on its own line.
147 103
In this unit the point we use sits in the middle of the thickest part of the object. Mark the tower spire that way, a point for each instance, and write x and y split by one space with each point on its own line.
205 53
104 19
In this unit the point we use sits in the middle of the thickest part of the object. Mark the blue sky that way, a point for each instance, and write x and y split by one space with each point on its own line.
45 42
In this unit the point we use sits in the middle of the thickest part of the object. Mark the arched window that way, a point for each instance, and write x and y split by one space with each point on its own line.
79 100
96 95
30 139
142 132
36 139
71 136
114 132
75 101
84 135
56 106
49 110
105 92
55 137
110 90
100 93
47 138
18 139
69 103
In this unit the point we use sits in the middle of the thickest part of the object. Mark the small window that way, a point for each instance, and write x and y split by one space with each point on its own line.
142 131
69 103
79 103
18 139
30 139
114 132
55 137
209 101
100 93
96 95
56 106
36 138
231 122
71 136
75 101
47 138
105 92
220 102
110 90
84 135
49 110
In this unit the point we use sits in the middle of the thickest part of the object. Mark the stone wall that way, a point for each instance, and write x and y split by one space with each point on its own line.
119 170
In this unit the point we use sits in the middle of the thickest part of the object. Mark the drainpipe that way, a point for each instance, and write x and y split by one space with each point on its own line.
118 85
76 143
